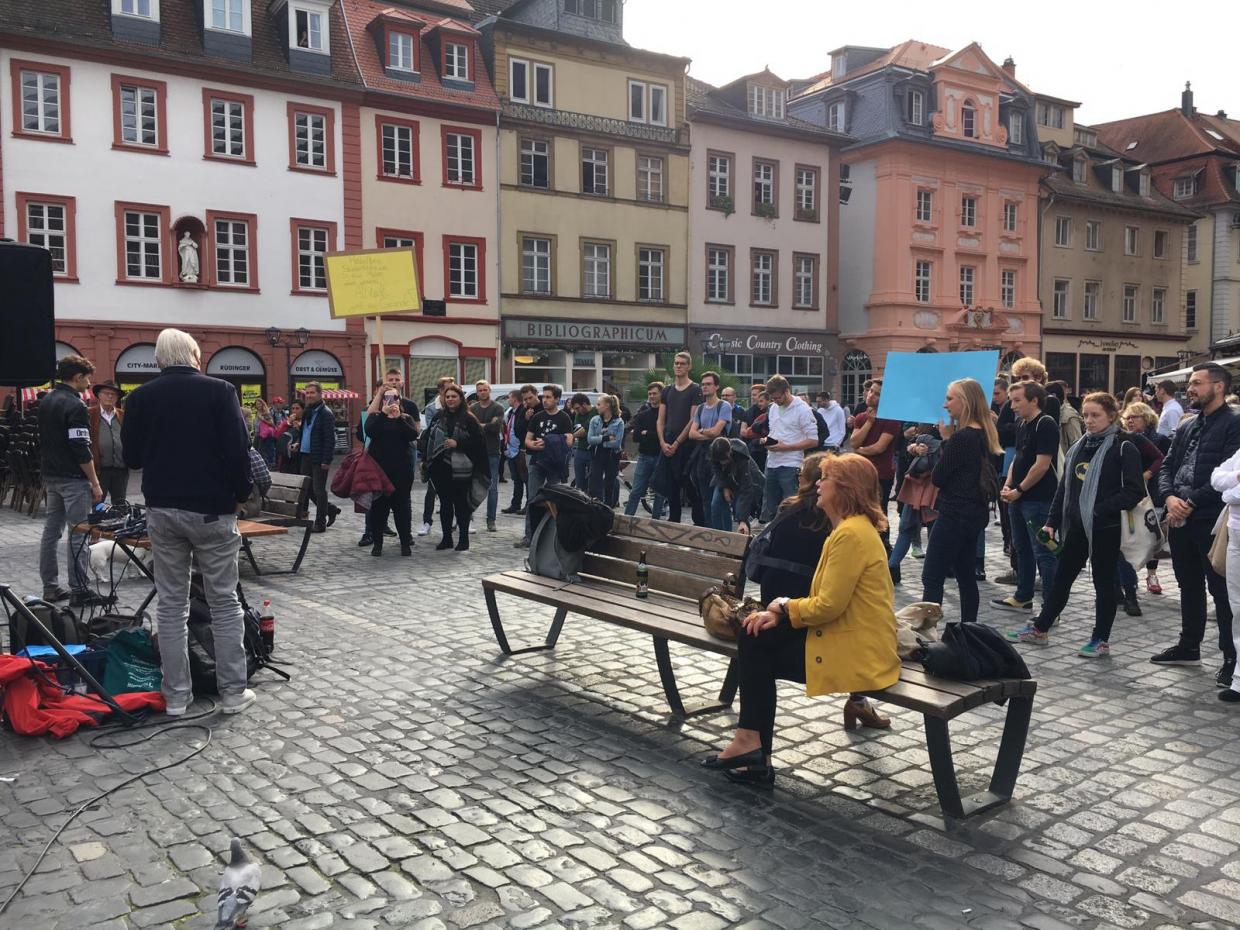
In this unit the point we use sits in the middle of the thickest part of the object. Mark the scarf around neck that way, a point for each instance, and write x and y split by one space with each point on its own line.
1093 475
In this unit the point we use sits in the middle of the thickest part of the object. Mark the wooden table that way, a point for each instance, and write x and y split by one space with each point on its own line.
247 528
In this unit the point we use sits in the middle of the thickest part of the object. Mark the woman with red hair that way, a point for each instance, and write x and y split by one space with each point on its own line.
841 638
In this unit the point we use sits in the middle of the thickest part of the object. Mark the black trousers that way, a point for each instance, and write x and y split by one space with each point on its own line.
516 468
1190 558
773 655
884 495
115 483
454 500
603 472
399 504
318 489
682 475
953 545
1102 563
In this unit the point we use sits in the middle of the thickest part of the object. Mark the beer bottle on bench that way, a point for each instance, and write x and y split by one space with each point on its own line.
643 576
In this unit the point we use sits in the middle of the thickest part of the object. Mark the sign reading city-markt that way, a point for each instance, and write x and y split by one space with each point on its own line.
587 333
771 342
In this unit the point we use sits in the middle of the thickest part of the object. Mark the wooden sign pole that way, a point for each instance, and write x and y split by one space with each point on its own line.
379 339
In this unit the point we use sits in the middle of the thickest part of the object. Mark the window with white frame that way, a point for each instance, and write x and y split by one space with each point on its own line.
603 10
718 274
1009 216
1143 183
650 263
921 281
518 80
968 211
311 264
835 116
807 193
718 178
658 105
650 178
1190 242
1160 243
463 270
762 290
228 15
1007 288
456 61
397 150
1132 240
637 101
228 128
1093 293
763 184
766 101
535 265
1093 235
140 8
139 115
1190 309
594 171
1063 231
1117 180
596 269
310 139
400 51
47 227
968 121
968 281
543 85
1080 168
41 102
232 253
1050 115
310 33
914 107
461 164
398 242
1158 306
805 281
925 205
536 163
143 246
1130 303
647 103
1184 187
1016 127
1062 292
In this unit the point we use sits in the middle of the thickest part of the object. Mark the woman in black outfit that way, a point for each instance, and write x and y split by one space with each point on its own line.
456 448
967 483
391 431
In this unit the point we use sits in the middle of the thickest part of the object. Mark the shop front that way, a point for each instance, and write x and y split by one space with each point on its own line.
242 369
317 365
588 356
1097 363
805 357
136 365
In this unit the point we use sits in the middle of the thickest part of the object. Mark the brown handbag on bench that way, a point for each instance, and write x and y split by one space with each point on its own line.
722 610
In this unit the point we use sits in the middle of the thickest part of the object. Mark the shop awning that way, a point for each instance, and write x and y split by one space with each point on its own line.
1181 374
340 395
30 395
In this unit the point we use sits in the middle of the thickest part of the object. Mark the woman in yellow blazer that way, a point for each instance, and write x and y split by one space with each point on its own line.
840 639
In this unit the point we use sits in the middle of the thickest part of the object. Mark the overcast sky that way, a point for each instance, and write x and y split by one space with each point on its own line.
1118 61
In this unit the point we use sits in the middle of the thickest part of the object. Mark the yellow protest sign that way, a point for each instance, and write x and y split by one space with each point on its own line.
371 282
250 393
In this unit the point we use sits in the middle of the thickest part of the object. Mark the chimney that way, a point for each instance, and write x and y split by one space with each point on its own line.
1009 67
1186 100
1221 114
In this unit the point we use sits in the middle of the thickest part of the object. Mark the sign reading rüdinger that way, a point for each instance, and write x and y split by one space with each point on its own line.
372 282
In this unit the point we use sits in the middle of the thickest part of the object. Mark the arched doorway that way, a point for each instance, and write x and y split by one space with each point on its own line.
317 365
856 371
243 370
1010 359
136 365
430 359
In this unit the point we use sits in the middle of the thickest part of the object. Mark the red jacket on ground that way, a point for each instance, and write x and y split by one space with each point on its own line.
34 704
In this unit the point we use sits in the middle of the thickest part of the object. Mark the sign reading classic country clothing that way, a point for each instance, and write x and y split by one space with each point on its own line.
594 334
770 342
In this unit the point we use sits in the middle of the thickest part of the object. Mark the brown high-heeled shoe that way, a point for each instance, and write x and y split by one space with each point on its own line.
862 712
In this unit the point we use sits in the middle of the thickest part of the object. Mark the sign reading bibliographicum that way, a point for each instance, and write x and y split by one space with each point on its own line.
569 331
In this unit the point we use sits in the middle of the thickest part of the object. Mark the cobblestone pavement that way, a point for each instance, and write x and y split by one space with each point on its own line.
410 776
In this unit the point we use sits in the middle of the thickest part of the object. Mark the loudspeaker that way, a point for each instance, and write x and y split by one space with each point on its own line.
27 315
434 308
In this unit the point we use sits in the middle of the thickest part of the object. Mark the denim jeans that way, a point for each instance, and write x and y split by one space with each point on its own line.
68 503
537 478
1127 576
781 482
909 530
720 511
1031 555
643 469
493 493
212 542
581 466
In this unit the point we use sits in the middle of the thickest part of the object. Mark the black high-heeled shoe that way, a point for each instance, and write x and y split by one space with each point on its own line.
756 778
755 757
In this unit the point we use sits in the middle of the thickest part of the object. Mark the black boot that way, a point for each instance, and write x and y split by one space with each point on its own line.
445 521
376 548
365 541
406 548
980 571
1131 607
463 544
445 543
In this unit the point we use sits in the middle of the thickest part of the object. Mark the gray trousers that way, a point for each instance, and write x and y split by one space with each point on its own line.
115 483
68 503
213 543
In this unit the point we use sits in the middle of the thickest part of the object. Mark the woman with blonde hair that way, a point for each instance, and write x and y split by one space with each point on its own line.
839 638
967 483
1141 421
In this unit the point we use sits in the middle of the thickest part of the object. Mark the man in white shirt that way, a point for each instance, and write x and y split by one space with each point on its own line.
105 442
793 429
836 419
1172 412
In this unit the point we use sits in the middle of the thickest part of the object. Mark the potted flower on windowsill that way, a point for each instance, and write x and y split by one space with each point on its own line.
723 203
808 216
766 211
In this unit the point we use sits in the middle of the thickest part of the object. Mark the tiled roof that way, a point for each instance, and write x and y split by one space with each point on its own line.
912 54
1062 185
493 7
360 13
705 99
1169 135
88 23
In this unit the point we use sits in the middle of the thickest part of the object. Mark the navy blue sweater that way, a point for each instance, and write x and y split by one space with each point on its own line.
186 432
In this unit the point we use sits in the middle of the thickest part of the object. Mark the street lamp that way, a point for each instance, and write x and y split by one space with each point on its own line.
276 338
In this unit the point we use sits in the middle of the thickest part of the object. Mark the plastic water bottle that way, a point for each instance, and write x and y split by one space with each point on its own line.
643 576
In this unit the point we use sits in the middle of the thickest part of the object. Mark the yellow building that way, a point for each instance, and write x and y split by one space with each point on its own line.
594 191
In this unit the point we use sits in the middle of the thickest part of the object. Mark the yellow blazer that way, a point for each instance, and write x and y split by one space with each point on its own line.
850 614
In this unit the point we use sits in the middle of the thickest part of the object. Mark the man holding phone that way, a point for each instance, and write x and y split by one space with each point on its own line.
793 429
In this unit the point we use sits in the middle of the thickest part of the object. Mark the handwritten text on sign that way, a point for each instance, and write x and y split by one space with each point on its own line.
371 282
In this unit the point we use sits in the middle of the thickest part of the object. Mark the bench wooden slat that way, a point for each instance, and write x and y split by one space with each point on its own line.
677 534
280 508
993 689
684 585
283 494
284 480
922 699
663 556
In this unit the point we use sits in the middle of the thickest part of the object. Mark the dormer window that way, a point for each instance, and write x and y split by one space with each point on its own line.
968 120
1016 127
1117 179
400 51
604 10
307 33
1185 187
136 21
835 116
1078 170
914 107
766 101
456 61
147 9
310 32
1143 183
230 16
1050 115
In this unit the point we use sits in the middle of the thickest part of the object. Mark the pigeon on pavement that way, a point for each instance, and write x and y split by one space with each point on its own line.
239 886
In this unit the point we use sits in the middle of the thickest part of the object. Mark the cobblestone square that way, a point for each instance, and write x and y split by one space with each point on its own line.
410 776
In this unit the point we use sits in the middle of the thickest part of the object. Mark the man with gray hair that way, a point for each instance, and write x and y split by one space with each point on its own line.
195 481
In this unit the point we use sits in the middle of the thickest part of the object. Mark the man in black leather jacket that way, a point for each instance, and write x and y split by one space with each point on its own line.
1200 445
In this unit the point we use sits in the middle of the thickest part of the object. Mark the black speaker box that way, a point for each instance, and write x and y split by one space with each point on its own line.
434 308
27 316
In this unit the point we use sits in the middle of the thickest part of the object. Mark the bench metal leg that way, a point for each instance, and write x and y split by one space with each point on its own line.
553 634
1007 764
667 675
249 554
301 553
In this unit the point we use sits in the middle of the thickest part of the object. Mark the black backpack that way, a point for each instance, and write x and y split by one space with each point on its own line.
758 557
202 642
824 431
62 623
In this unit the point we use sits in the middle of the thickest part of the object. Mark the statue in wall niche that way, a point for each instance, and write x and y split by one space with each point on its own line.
187 248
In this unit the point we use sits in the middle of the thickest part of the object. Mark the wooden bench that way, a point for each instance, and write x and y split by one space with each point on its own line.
280 509
686 560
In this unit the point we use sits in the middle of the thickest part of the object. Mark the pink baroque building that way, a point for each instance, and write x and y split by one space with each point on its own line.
939 225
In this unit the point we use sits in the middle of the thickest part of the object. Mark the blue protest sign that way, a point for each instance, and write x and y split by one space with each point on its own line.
915 383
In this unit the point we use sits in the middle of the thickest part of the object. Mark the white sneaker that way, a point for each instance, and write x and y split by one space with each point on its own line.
236 703
176 710
424 529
